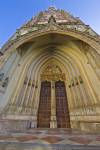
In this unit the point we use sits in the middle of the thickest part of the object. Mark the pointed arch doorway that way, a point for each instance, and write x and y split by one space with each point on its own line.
53 106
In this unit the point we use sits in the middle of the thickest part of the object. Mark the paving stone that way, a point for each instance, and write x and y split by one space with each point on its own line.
49 139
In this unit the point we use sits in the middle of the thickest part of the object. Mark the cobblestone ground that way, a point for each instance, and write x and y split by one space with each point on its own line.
49 139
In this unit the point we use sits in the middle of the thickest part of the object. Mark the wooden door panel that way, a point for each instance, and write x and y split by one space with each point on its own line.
62 113
44 112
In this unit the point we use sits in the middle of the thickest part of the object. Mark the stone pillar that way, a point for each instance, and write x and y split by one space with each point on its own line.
34 122
53 122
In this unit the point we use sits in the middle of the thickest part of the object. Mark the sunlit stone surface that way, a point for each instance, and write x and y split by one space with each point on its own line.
50 85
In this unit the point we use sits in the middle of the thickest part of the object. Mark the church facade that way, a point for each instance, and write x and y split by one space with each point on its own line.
50 74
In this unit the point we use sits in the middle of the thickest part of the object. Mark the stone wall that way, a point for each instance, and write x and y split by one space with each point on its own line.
91 127
9 125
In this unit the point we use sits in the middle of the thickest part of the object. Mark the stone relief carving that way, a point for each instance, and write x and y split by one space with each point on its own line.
52 73
53 25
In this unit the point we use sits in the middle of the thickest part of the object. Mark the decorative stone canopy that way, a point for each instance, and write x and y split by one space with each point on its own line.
60 16
52 20
57 17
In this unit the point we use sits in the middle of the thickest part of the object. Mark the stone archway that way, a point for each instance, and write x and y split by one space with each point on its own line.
72 56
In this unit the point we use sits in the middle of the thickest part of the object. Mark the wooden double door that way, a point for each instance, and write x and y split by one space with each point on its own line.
44 111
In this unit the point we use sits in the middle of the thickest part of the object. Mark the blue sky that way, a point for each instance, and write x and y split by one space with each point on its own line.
14 13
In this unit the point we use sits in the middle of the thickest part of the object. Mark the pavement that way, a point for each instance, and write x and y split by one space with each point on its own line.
49 139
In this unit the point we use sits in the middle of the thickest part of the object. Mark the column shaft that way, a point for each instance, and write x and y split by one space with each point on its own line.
53 123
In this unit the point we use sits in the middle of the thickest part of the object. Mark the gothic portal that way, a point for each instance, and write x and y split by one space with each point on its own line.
53 98
50 74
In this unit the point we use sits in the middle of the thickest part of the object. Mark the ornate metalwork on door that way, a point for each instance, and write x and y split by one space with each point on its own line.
44 112
53 74
62 113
